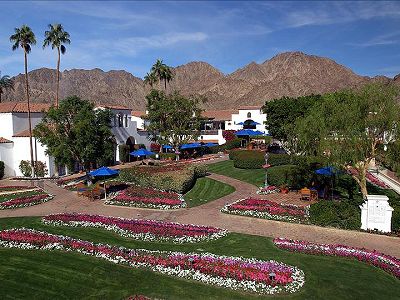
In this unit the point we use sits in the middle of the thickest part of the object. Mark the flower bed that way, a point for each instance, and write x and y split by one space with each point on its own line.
271 189
25 200
375 181
267 210
145 230
10 188
147 198
237 273
385 262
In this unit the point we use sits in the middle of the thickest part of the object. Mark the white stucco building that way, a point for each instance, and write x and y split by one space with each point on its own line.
217 121
14 134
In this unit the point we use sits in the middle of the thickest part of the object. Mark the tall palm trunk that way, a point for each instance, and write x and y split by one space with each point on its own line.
58 76
29 112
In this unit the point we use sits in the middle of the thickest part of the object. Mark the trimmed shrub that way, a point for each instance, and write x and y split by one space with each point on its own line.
236 143
247 159
40 169
25 168
279 159
123 153
281 175
2 167
200 170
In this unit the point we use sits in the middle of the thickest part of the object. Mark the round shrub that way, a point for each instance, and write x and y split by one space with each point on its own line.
248 159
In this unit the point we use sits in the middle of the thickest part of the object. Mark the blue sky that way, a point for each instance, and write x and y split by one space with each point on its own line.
364 36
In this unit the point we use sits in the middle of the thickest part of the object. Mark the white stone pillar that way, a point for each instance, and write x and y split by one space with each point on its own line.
376 213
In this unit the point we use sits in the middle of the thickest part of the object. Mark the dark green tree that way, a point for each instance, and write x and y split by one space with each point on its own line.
162 72
5 83
349 127
76 132
57 37
174 119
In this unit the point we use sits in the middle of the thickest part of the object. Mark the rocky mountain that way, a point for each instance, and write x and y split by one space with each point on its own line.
286 74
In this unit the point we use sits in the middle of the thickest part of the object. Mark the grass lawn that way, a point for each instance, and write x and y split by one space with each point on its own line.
206 190
57 275
253 176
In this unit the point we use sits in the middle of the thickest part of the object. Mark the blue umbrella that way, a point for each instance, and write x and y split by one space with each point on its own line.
103 171
191 146
254 123
240 123
141 152
327 171
210 145
249 132
167 147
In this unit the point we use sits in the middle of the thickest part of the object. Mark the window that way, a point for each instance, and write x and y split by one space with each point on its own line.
249 115
120 121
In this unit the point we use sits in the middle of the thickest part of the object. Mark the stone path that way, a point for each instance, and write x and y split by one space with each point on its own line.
209 214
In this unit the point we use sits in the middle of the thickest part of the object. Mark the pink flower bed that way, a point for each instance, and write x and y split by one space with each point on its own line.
374 180
146 230
148 198
25 201
266 209
385 262
264 277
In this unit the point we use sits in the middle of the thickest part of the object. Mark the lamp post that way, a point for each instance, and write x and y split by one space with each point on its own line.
266 169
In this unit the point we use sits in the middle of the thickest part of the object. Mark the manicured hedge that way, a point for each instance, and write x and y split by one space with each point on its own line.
233 144
281 175
247 159
286 159
180 180
123 153
1 169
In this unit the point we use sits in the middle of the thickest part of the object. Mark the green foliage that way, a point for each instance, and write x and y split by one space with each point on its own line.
2 166
174 119
282 114
5 83
247 159
279 159
282 175
40 169
123 153
344 214
232 144
390 158
25 168
178 179
77 132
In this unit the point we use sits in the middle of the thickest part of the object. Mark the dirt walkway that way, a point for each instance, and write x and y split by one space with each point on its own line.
209 214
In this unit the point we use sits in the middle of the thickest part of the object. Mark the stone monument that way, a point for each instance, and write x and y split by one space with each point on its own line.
376 213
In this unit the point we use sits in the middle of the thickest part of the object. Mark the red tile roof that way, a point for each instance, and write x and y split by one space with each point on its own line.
7 107
24 133
119 107
4 141
138 113
219 115
249 107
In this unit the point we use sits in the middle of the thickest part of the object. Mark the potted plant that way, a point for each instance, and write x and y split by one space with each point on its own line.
284 189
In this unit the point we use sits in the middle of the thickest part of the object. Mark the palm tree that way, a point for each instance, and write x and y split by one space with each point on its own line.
57 37
5 83
24 37
150 79
162 72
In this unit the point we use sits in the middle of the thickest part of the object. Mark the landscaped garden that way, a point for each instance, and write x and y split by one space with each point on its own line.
18 198
76 262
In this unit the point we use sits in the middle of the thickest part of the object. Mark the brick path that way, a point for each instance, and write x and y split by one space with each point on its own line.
209 214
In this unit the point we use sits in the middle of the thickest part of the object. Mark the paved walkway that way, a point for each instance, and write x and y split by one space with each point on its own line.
209 214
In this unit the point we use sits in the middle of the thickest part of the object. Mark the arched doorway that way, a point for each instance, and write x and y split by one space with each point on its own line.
249 124
131 143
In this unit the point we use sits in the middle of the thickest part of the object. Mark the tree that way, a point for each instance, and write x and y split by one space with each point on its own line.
5 83
24 38
150 79
76 132
282 114
349 127
162 72
174 119
57 37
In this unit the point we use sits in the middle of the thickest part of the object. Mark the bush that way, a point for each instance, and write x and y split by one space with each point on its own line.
229 135
1 169
123 153
281 175
236 143
154 147
40 169
25 168
247 159
200 170
344 214
279 159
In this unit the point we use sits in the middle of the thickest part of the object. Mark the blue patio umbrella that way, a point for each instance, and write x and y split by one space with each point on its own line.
248 132
327 171
254 123
141 152
190 146
167 146
240 123
103 172
210 145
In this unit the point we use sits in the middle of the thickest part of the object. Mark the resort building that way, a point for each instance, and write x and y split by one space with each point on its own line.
14 134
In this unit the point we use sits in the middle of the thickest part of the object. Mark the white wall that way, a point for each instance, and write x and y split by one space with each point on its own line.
6 155
212 137
6 125
256 116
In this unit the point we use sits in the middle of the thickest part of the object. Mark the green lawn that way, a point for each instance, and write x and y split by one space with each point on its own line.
57 275
253 176
206 190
